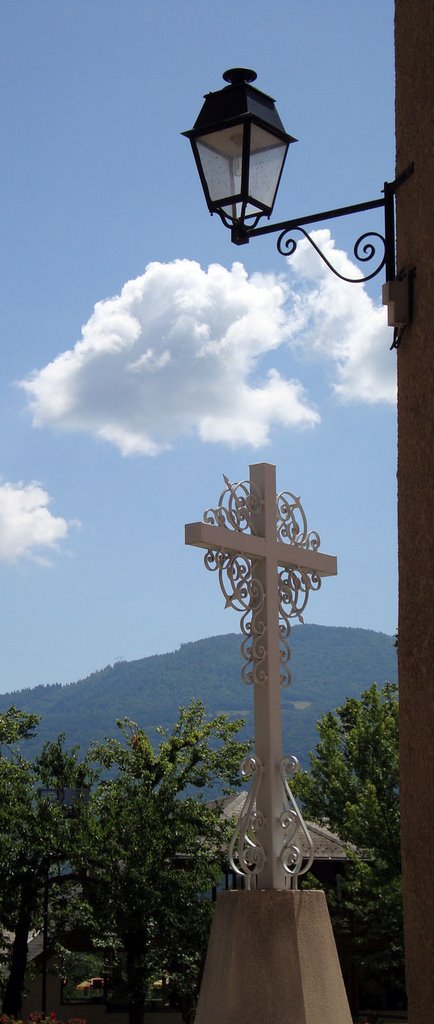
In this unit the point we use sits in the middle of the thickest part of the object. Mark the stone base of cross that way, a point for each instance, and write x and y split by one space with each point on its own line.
267 563
272 959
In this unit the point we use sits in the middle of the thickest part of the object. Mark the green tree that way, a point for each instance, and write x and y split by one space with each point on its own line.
155 845
353 789
15 727
36 838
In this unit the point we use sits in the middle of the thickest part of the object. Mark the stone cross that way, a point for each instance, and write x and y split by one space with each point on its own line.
267 562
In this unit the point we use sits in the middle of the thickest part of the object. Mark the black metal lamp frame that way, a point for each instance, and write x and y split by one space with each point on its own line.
397 289
286 245
242 103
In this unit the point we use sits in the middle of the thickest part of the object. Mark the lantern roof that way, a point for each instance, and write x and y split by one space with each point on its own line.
237 100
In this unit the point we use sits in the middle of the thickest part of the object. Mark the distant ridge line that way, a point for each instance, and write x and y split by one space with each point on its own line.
328 664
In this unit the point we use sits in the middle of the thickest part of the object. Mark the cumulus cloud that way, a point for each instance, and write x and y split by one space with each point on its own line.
176 355
340 323
27 527
179 354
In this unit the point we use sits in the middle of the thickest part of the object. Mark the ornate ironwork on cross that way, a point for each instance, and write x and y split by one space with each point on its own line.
267 562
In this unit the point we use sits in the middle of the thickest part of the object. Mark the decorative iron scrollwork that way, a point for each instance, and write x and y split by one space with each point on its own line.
294 584
243 592
287 246
296 857
236 507
292 523
246 853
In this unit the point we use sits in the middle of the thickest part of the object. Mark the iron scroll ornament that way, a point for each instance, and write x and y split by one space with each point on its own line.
242 590
365 248
296 856
244 594
246 854
287 245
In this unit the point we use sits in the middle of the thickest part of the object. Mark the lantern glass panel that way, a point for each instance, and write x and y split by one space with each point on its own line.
220 154
267 155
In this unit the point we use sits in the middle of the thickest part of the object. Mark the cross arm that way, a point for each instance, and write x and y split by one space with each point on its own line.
203 535
291 556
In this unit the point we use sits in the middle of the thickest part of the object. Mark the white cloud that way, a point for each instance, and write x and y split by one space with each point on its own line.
340 323
27 527
178 354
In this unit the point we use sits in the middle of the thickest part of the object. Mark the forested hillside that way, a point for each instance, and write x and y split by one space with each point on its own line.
328 664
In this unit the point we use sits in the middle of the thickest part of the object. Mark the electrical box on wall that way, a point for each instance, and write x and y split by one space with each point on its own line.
396 296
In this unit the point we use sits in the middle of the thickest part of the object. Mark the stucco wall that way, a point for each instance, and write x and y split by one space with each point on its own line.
415 227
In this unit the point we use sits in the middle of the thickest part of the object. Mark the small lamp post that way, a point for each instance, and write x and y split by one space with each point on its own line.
240 146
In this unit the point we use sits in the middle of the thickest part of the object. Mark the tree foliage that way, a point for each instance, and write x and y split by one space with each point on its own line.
353 789
36 838
141 852
156 845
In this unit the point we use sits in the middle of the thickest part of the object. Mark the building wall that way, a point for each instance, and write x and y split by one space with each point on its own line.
414 30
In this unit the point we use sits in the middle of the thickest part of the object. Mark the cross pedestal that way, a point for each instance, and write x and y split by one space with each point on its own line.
272 960
271 957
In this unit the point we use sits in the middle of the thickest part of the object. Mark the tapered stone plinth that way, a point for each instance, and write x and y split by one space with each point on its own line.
272 960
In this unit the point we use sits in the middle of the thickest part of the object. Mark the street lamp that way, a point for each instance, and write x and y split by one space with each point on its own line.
240 147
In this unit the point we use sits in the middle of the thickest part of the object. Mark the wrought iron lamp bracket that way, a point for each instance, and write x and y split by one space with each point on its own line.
396 292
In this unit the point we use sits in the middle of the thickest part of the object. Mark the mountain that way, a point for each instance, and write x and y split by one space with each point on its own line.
328 664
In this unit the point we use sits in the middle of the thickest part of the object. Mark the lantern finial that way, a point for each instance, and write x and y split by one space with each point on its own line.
237 76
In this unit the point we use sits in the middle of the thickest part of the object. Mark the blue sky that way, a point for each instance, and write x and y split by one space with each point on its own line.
116 435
